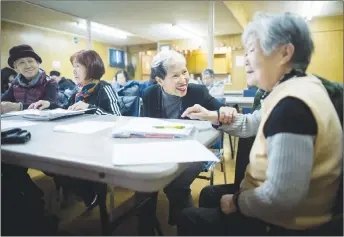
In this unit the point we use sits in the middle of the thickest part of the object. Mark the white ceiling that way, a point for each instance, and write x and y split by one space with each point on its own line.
27 13
147 20
330 8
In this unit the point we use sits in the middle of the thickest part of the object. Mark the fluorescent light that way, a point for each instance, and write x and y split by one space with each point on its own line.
312 8
189 29
186 33
105 30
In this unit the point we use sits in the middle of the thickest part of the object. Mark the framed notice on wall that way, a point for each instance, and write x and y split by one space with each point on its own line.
116 58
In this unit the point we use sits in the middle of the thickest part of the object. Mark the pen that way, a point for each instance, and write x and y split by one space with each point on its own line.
176 127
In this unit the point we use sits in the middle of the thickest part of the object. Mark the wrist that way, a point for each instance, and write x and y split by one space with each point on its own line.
213 116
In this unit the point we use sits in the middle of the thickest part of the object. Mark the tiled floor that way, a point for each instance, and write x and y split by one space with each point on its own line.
74 222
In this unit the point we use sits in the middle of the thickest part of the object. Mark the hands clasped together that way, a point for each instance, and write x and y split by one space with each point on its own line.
226 114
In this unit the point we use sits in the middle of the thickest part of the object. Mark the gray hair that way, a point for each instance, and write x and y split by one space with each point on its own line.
161 62
280 29
208 72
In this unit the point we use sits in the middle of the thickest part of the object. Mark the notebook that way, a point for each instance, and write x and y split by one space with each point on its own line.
152 128
163 152
45 115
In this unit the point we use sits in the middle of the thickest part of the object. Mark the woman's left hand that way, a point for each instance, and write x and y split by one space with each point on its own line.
79 106
227 204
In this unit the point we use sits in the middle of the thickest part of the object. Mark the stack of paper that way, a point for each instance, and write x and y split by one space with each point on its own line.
150 153
43 115
152 128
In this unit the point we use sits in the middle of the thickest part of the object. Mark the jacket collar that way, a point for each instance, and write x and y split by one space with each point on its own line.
37 80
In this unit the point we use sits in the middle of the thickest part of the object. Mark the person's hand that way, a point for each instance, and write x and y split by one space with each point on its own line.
227 115
200 113
79 106
9 106
227 204
41 104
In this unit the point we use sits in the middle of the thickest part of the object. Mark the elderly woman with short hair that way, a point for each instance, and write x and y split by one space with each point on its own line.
169 99
291 182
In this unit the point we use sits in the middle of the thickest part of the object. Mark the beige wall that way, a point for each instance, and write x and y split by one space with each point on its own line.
51 46
327 60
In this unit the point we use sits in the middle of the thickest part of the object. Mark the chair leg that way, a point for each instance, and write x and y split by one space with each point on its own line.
231 145
212 175
223 169
104 217
221 159
112 202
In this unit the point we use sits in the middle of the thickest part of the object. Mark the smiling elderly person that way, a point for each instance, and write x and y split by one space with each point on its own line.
168 99
93 94
30 85
291 182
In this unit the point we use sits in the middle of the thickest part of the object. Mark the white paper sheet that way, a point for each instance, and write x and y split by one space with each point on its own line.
85 127
147 126
5 124
161 152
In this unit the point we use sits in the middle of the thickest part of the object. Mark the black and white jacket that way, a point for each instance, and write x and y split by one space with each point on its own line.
104 100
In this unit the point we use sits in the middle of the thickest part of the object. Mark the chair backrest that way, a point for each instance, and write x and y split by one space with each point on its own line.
129 105
219 143
251 92
132 88
221 100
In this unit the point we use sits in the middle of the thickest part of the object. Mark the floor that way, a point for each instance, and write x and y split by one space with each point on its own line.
74 221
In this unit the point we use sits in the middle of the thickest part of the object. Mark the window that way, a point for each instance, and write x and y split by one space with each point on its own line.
117 58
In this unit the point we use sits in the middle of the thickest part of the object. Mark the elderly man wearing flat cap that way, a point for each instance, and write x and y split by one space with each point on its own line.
31 84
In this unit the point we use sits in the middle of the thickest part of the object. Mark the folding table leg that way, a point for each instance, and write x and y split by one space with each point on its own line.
212 175
223 169
112 202
104 217
232 147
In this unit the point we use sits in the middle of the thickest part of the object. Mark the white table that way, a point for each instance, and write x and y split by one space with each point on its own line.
90 156
243 102
233 93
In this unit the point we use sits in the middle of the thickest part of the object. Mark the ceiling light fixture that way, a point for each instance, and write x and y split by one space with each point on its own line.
105 30
186 33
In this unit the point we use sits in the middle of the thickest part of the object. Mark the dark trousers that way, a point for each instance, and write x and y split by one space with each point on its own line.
22 205
179 196
208 219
